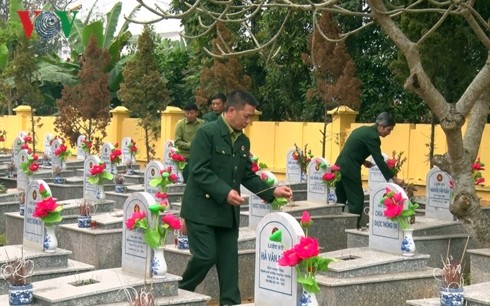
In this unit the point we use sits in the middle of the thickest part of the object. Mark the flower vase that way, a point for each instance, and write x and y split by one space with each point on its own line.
331 196
50 241
84 221
451 296
308 299
302 177
408 245
100 195
20 295
158 264
63 164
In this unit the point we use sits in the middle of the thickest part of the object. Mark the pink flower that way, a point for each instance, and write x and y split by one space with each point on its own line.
307 247
391 163
161 195
393 210
289 258
255 167
44 207
479 181
33 167
172 221
335 168
173 178
305 219
135 217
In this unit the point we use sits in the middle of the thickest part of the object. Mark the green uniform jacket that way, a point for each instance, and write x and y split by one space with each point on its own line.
184 133
216 167
362 142
210 116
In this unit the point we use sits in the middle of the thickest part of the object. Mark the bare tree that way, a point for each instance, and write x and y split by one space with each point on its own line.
472 107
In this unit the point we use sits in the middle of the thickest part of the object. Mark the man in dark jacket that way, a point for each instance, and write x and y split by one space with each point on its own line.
362 142
220 162
217 107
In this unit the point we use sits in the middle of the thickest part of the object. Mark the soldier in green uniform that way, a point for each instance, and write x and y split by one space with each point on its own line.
220 162
217 107
362 142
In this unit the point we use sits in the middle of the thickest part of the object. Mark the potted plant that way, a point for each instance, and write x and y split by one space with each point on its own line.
18 274
84 218
155 233
452 281
57 175
119 180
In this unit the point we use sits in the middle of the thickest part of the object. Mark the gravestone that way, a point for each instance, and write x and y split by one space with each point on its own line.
317 190
375 176
439 194
33 227
293 168
56 160
152 170
16 148
136 254
274 284
169 144
22 179
48 154
127 155
258 208
90 191
22 134
81 154
105 156
384 234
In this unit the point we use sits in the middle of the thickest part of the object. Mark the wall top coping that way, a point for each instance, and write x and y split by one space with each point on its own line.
120 110
22 109
342 110
173 110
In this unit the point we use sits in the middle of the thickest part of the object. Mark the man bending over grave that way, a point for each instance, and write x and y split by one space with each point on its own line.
362 142
220 155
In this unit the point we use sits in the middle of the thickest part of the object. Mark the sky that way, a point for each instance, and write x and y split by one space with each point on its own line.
166 28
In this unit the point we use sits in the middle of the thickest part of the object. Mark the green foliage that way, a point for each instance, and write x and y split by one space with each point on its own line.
143 90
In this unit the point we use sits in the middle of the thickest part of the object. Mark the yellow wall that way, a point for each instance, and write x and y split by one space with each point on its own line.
271 140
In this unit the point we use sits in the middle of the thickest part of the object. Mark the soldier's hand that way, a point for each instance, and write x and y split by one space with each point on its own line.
283 192
398 181
367 164
183 227
234 198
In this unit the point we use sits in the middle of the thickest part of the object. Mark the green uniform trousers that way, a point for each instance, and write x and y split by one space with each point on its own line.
350 191
213 245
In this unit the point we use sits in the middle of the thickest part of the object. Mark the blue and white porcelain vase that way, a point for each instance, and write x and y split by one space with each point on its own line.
407 247
451 296
158 264
50 241
308 299
84 221
20 295
331 196
100 195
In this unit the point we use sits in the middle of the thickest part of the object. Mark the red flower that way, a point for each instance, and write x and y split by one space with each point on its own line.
135 217
329 176
35 157
391 163
172 221
44 207
480 181
161 195
307 247
33 167
97 169
2 139
335 168
295 155
173 178
255 167
28 139
393 210
25 146
305 219
289 258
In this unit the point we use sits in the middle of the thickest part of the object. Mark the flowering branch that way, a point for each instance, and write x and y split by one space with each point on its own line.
30 165
47 210
331 178
99 175
394 209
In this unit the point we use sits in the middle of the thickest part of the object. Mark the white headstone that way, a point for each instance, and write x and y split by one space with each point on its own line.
22 134
384 234
169 162
317 190
293 168
375 175
47 146
258 208
21 176
136 254
439 193
56 160
81 154
127 155
33 227
274 284
152 170
105 156
166 147
89 190
16 148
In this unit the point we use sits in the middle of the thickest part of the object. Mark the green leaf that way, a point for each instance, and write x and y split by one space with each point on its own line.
276 236
152 238
53 217
156 181
94 180
107 175
94 29
309 284
111 22
4 53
